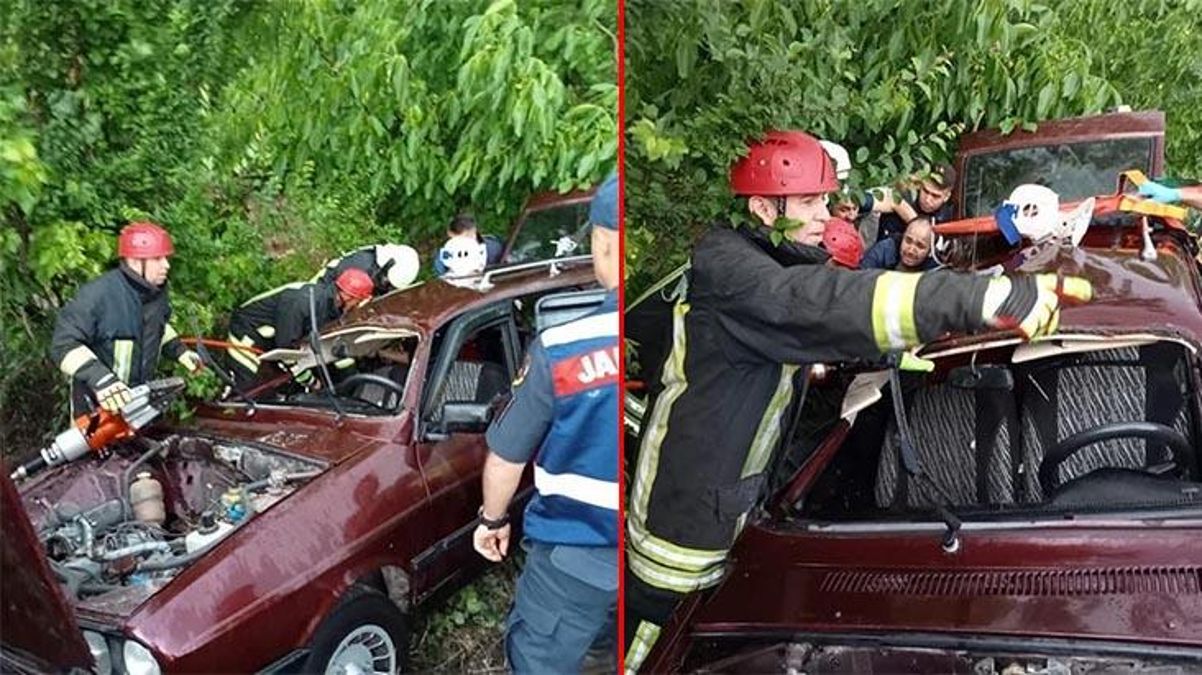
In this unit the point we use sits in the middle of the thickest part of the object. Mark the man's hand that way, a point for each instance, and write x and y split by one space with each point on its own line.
114 394
1031 304
1160 193
492 544
191 361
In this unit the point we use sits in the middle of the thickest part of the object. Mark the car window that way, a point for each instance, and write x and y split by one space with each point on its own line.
479 372
1021 447
554 232
1074 170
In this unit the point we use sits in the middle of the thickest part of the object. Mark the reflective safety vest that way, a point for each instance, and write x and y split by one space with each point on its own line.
576 468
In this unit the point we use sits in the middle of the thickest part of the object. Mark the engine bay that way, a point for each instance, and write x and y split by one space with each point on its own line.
152 507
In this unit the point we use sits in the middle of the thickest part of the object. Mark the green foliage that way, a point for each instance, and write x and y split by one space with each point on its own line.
466 633
1148 51
895 84
270 135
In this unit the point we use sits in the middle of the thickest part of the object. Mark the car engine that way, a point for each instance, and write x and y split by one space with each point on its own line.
153 507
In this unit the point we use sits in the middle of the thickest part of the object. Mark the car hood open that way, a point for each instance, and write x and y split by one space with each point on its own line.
38 621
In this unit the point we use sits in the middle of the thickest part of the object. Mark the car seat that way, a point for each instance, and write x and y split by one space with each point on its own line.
965 440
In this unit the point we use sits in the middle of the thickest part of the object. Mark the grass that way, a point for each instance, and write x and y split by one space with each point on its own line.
466 633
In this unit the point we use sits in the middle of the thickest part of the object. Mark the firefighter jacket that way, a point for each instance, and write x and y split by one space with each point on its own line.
752 314
116 323
564 412
363 259
280 317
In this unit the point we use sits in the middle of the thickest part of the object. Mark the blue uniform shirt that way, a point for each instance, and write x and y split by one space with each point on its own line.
564 414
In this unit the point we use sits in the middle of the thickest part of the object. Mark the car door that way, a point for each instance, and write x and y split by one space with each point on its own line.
1078 158
472 365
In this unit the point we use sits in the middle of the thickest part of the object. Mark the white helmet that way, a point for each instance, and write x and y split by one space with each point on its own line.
405 263
839 156
1037 211
463 256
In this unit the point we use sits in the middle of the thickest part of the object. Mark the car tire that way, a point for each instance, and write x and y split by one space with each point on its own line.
365 633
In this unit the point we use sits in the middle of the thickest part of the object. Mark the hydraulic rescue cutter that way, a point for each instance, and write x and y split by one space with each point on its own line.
96 431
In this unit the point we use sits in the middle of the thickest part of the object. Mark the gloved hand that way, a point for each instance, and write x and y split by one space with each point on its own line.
1160 193
112 393
1031 304
302 375
191 361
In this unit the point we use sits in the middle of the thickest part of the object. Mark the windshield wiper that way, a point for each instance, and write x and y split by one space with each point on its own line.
911 463
315 345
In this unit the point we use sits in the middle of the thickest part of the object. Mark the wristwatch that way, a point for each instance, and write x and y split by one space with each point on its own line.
489 522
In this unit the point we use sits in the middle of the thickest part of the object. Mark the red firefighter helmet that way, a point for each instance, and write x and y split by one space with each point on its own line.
144 240
784 163
355 283
842 241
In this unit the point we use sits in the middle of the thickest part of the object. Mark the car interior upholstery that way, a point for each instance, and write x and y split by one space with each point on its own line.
983 447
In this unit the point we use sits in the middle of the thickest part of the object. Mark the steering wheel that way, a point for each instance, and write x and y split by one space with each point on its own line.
344 387
1150 431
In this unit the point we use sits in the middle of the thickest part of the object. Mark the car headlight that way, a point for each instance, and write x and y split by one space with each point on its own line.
139 660
99 648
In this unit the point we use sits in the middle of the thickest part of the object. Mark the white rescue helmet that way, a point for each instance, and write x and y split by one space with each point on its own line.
839 156
463 256
404 260
1037 211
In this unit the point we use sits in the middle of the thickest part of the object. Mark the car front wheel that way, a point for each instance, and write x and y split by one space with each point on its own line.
365 634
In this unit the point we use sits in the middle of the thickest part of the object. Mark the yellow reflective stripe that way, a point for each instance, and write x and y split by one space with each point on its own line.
666 553
266 331
75 359
245 357
675 384
267 294
768 432
893 324
123 358
169 334
644 637
671 579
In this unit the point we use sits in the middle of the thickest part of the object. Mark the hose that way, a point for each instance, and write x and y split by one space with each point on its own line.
288 478
144 547
187 558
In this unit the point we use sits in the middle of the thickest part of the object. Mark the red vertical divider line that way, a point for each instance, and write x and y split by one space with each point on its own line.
621 637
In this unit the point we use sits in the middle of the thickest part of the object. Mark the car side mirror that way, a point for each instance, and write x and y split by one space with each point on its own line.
466 417
981 377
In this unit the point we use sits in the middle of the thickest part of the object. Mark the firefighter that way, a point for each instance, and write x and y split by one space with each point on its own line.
390 266
109 336
281 317
564 417
753 313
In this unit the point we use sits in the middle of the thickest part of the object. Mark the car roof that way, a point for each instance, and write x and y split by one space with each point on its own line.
1161 296
428 305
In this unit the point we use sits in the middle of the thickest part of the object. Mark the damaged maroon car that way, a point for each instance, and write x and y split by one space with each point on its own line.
1021 507
299 525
